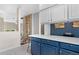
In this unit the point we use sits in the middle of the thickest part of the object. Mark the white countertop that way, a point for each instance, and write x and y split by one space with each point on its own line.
72 40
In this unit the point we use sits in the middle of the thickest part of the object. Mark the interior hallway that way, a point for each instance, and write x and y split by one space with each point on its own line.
22 50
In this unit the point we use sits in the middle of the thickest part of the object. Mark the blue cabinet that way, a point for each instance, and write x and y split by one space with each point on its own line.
76 32
50 42
44 47
71 47
41 46
58 31
67 52
48 50
36 39
35 48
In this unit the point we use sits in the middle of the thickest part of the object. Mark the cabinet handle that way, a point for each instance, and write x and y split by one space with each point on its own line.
71 45
38 44
60 51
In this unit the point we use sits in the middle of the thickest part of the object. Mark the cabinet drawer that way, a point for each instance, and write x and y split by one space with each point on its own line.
71 47
67 52
50 42
35 39
48 50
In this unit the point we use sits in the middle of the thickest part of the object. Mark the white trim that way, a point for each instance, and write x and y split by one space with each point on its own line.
9 48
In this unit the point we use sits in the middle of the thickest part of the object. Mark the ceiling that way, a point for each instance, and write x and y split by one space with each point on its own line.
43 6
29 9
10 10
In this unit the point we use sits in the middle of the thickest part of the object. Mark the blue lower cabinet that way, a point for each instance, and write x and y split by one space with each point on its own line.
35 48
71 47
67 52
48 50
41 46
50 42
36 39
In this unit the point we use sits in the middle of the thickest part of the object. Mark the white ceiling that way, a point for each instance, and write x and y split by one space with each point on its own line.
29 9
10 10
43 6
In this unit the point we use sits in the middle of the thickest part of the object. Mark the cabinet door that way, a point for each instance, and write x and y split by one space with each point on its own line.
74 11
71 47
59 13
67 52
35 48
44 16
36 39
76 32
50 42
48 50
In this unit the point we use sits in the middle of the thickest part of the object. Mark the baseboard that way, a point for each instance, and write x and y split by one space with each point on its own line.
9 48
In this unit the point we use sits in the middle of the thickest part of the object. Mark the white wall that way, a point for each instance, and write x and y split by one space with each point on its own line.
35 23
46 29
9 40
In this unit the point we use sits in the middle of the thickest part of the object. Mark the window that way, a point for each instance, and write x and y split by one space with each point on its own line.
1 24
8 24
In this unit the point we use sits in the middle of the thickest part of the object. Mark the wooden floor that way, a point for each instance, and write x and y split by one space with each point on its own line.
22 50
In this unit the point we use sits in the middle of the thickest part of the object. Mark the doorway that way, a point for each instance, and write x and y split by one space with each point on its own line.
27 29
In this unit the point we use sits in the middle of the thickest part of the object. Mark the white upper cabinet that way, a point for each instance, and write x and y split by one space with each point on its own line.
45 16
59 13
73 11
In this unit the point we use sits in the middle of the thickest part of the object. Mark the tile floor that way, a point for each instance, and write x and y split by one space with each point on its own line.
22 50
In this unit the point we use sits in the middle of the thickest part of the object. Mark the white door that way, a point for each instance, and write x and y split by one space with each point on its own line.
59 13
44 16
